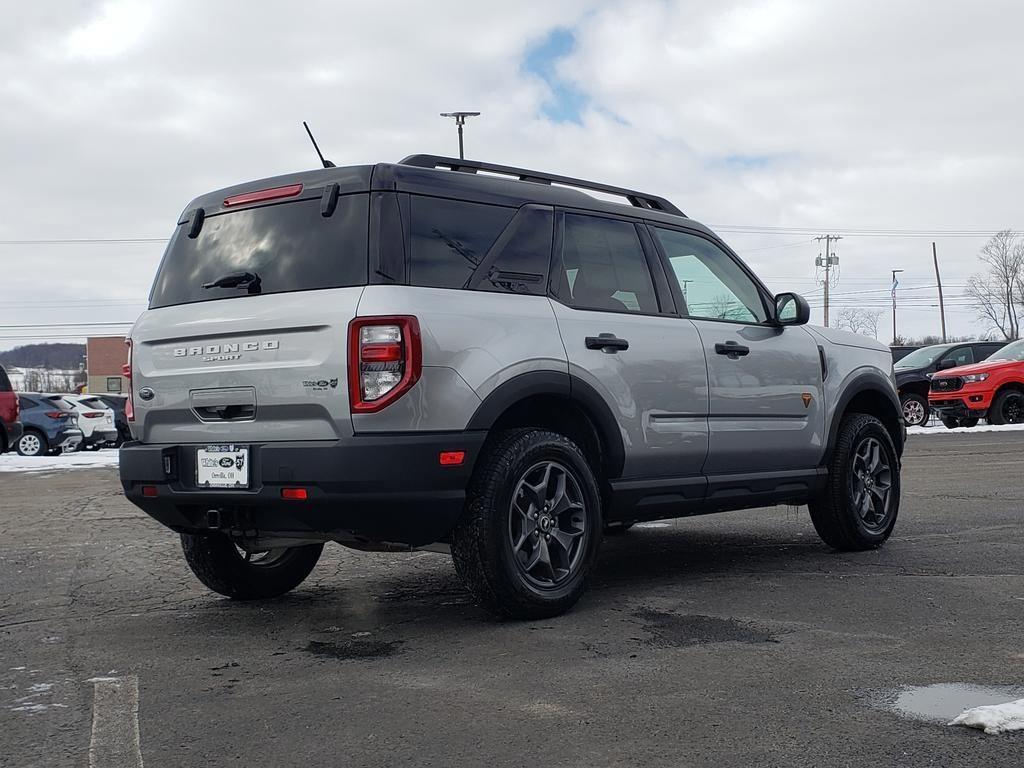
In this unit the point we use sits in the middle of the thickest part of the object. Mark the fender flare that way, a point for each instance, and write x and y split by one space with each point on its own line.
860 381
558 384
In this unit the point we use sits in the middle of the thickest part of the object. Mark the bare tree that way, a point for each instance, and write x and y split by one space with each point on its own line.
862 321
998 290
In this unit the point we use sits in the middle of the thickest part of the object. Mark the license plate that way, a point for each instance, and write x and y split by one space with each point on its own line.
222 466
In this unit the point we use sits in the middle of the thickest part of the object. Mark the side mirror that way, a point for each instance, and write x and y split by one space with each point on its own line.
945 365
791 309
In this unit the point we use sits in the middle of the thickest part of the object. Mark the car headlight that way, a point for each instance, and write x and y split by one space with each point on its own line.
974 378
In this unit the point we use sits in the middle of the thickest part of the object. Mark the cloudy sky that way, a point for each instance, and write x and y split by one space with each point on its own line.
892 124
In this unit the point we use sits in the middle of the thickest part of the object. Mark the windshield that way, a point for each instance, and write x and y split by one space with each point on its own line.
1012 351
922 358
285 247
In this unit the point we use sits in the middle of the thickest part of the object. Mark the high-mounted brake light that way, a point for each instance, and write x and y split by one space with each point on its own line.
126 371
385 359
263 195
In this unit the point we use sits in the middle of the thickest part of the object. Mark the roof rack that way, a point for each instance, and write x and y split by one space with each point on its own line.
637 199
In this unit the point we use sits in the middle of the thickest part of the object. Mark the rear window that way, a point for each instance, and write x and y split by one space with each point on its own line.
93 402
59 402
288 247
5 383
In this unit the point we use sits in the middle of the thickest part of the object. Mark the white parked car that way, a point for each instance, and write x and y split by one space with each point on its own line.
95 419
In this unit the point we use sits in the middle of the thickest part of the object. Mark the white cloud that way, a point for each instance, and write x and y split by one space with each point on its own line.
824 115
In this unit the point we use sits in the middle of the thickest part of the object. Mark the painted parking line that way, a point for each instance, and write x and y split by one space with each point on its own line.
115 723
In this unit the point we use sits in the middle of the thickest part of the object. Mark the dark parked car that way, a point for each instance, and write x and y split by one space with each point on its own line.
116 402
10 426
899 352
51 425
913 373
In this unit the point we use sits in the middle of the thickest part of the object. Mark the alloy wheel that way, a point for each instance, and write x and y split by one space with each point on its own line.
872 484
913 412
30 445
547 526
1013 408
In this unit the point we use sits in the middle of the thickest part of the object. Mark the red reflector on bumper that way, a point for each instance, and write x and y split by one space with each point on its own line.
451 458
149 490
295 494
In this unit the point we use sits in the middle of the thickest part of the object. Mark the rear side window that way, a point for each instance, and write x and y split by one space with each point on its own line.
25 403
288 247
604 267
450 238
5 383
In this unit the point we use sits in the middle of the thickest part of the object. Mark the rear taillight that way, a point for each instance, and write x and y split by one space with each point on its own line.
126 371
93 414
57 414
384 360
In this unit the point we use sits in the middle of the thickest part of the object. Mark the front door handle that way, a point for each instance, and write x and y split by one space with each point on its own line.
607 342
732 350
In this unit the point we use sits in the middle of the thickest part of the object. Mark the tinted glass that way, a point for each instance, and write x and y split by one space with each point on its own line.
58 402
450 238
290 247
94 402
522 254
26 402
923 357
713 284
960 356
5 383
604 266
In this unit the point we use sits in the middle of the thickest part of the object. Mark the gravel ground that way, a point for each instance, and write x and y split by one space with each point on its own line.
733 639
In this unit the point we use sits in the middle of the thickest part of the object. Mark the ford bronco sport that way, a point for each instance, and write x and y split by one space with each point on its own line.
489 361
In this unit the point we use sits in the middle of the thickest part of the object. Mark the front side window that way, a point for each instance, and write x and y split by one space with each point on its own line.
712 283
960 356
604 267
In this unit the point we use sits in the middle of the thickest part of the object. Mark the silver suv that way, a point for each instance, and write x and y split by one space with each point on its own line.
485 360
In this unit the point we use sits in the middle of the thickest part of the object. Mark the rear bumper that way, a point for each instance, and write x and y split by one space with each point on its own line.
380 488
101 437
66 439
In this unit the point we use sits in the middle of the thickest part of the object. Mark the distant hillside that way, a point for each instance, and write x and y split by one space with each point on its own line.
66 357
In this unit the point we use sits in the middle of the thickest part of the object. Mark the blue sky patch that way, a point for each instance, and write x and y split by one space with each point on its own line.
567 101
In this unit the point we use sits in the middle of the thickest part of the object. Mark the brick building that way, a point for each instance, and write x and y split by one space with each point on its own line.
104 358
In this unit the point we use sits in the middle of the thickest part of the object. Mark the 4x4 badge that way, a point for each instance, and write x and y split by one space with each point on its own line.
807 397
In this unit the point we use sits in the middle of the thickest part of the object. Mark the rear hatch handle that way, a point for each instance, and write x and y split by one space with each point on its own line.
232 404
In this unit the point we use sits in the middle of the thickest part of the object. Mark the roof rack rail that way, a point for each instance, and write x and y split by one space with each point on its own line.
637 199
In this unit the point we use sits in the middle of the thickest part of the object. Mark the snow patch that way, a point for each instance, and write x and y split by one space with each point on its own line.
12 462
994 718
941 430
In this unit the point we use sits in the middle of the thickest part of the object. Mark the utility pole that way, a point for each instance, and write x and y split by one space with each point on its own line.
938 280
460 120
894 284
828 262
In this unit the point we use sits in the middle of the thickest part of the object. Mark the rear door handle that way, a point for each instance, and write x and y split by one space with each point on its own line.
732 350
607 342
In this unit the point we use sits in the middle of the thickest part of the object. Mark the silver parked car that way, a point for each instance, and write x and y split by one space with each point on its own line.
484 360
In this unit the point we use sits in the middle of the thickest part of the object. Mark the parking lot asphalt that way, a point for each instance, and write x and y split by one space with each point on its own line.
734 639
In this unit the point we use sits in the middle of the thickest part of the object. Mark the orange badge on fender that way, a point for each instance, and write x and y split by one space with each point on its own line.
806 396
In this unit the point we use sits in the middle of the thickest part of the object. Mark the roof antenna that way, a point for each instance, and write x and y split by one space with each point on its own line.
327 163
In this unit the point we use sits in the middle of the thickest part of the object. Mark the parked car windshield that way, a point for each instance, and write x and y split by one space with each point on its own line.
1012 351
922 358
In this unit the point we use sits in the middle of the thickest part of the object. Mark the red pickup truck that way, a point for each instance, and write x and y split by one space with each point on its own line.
10 427
993 389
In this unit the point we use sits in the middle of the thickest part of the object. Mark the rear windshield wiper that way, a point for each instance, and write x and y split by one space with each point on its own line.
249 280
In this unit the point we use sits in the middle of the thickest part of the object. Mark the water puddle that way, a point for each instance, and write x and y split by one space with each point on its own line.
941 702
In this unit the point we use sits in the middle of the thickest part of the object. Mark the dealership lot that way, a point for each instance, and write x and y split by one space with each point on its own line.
735 639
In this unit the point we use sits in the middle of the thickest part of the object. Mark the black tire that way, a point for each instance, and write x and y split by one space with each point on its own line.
970 421
217 563
32 443
950 422
1007 408
835 513
915 410
617 529
497 571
